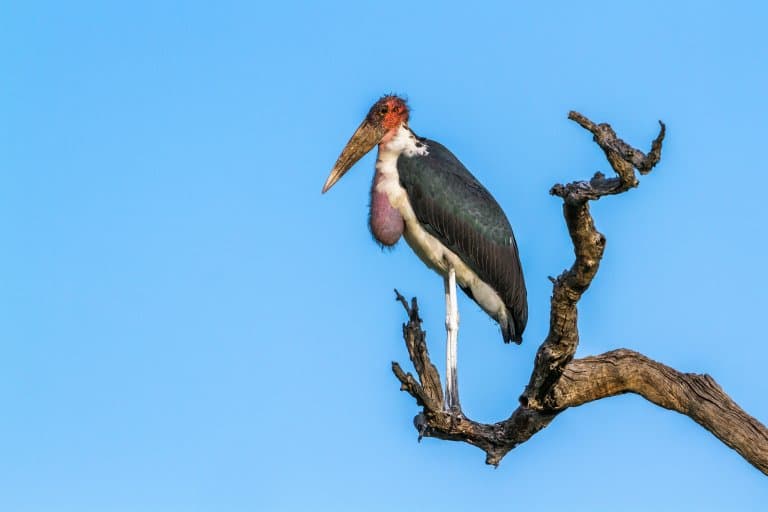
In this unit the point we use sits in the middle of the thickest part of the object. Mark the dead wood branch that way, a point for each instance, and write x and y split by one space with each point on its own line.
559 381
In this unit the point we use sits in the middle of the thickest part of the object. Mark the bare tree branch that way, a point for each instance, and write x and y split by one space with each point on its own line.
559 381
588 244
696 396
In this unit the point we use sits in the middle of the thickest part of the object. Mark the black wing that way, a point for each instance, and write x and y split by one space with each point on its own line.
456 209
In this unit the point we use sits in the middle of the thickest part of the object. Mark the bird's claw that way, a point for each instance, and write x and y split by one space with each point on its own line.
420 422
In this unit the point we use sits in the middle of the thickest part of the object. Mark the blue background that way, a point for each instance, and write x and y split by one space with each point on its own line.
186 324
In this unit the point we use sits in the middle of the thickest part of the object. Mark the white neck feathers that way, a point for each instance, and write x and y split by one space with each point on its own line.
403 141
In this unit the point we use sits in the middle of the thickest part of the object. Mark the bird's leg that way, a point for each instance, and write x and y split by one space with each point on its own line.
452 342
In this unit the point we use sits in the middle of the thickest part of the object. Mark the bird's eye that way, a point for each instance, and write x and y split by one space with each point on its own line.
383 110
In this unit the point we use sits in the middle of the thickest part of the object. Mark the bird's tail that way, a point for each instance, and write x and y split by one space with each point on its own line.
508 331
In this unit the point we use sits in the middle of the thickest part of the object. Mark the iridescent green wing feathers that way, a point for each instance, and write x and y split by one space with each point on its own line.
456 209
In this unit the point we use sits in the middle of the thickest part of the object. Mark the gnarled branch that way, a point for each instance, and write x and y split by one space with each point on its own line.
559 381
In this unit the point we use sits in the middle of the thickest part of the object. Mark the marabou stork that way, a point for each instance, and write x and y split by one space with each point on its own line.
422 191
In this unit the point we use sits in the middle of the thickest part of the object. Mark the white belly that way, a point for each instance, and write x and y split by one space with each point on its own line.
440 258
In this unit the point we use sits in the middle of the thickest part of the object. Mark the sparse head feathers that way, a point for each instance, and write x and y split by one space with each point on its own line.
390 112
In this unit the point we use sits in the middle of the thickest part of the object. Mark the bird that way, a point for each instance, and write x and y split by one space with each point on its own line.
423 193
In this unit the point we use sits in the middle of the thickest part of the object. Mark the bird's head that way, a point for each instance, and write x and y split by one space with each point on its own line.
380 125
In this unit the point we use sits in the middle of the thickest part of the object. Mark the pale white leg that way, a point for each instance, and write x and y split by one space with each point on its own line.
451 348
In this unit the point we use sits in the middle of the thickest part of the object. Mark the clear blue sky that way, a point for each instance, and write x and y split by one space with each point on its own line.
186 324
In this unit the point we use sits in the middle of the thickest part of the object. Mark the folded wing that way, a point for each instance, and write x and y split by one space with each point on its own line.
456 209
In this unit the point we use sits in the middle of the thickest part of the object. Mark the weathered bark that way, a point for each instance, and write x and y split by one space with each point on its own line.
559 381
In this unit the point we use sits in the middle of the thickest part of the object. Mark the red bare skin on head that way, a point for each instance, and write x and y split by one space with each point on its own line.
389 112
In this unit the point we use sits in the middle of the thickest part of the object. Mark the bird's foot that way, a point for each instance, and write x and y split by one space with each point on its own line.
420 422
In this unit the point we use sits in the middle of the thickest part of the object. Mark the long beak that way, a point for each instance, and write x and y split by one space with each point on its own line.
364 139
